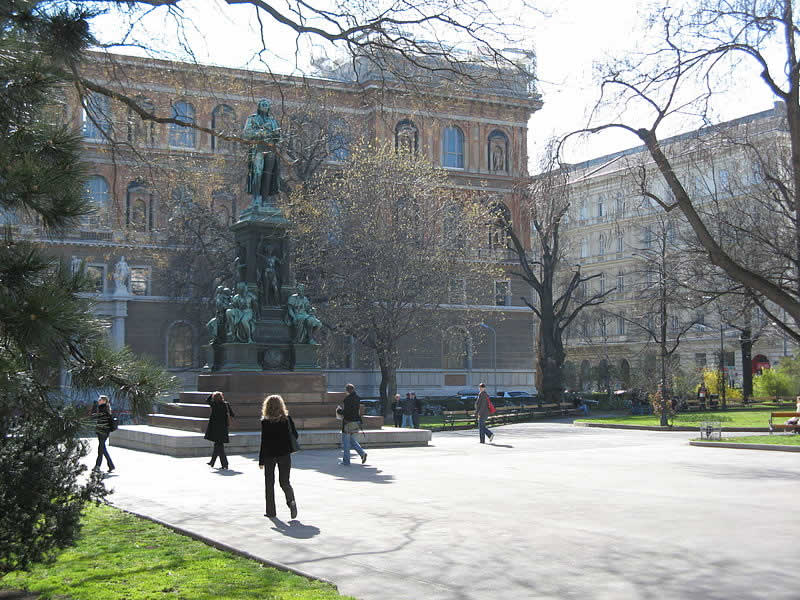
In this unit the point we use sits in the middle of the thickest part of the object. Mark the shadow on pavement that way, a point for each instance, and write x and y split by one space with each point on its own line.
294 529
227 472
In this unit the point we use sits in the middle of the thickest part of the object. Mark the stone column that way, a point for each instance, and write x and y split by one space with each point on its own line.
119 312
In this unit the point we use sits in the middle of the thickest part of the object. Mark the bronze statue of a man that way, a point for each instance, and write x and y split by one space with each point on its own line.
263 164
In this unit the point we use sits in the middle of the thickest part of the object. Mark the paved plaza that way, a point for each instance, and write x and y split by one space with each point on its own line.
548 511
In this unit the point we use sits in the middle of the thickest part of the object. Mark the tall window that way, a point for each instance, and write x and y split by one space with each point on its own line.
672 235
502 293
619 206
620 281
453 147
620 326
620 241
180 136
97 117
582 210
97 276
457 291
339 139
601 206
179 346
584 248
97 193
223 120
139 130
406 137
457 348
601 244
140 281
647 237
601 282
498 152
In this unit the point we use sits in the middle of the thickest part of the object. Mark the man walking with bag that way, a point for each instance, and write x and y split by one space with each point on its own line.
482 404
351 424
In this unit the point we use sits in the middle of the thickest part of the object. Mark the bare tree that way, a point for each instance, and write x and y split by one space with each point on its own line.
700 53
384 246
560 297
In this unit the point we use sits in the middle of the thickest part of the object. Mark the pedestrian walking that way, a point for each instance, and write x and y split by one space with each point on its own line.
351 423
397 411
408 411
417 410
482 412
217 429
104 425
278 441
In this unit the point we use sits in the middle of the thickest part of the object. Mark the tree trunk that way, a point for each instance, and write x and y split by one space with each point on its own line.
746 343
549 359
388 387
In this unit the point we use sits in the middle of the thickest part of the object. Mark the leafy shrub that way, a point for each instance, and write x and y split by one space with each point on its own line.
773 382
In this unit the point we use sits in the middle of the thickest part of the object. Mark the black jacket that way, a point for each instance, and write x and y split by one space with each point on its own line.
217 430
351 409
103 418
275 438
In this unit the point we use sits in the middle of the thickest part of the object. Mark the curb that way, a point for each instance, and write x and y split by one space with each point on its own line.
226 548
775 447
659 428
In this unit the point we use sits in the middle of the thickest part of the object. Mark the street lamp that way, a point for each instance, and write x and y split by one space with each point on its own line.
494 352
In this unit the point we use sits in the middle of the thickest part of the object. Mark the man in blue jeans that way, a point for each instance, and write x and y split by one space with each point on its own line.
482 413
351 423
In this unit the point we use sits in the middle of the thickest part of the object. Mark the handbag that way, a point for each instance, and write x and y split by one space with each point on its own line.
114 424
294 446
352 426
492 409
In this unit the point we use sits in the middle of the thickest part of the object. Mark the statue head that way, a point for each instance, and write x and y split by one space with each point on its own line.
301 288
264 106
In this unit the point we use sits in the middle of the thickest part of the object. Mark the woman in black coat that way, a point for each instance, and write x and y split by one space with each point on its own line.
104 425
278 441
217 430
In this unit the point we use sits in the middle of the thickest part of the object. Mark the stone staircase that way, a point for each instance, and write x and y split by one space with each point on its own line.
311 406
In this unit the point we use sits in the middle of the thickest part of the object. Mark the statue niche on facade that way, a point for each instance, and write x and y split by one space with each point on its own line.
263 164
302 319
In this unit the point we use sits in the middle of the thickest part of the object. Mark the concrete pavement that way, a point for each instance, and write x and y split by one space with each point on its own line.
547 511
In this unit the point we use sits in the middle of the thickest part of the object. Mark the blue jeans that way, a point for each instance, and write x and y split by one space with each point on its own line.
349 440
408 421
483 430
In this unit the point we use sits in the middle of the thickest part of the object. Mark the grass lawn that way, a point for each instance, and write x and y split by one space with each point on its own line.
779 439
119 556
728 418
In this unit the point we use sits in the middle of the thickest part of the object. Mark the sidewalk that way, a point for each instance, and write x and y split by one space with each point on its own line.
548 511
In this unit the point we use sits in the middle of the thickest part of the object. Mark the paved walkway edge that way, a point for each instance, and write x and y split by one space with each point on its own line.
775 447
226 548
659 428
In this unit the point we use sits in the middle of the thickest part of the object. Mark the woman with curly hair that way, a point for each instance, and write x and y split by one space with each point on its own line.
278 441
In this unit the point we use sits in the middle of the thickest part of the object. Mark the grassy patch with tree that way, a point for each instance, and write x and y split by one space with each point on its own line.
120 556
728 418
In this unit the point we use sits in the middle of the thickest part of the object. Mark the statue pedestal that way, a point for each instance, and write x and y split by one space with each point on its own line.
305 357
240 357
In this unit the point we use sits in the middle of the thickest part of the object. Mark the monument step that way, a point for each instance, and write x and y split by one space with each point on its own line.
199 424
186 444
186 409
237 398
276 382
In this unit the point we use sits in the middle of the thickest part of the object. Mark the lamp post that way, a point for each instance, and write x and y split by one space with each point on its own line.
494 352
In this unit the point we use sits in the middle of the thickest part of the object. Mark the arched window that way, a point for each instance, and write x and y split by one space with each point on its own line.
620 281
97 193
601 283
601 207
97 117
498 152
180 350
339 140
601 244
620 241
499 238
180 136
139 130
140 207
223 120
406 136
453 147
456 349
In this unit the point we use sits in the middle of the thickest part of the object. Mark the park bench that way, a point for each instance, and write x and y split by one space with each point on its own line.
449 417
783 426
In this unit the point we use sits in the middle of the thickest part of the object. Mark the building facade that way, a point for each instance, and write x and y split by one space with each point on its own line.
618 232
144 177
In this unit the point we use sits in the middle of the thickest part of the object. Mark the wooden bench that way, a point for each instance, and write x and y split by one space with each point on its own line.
449 417
783 426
